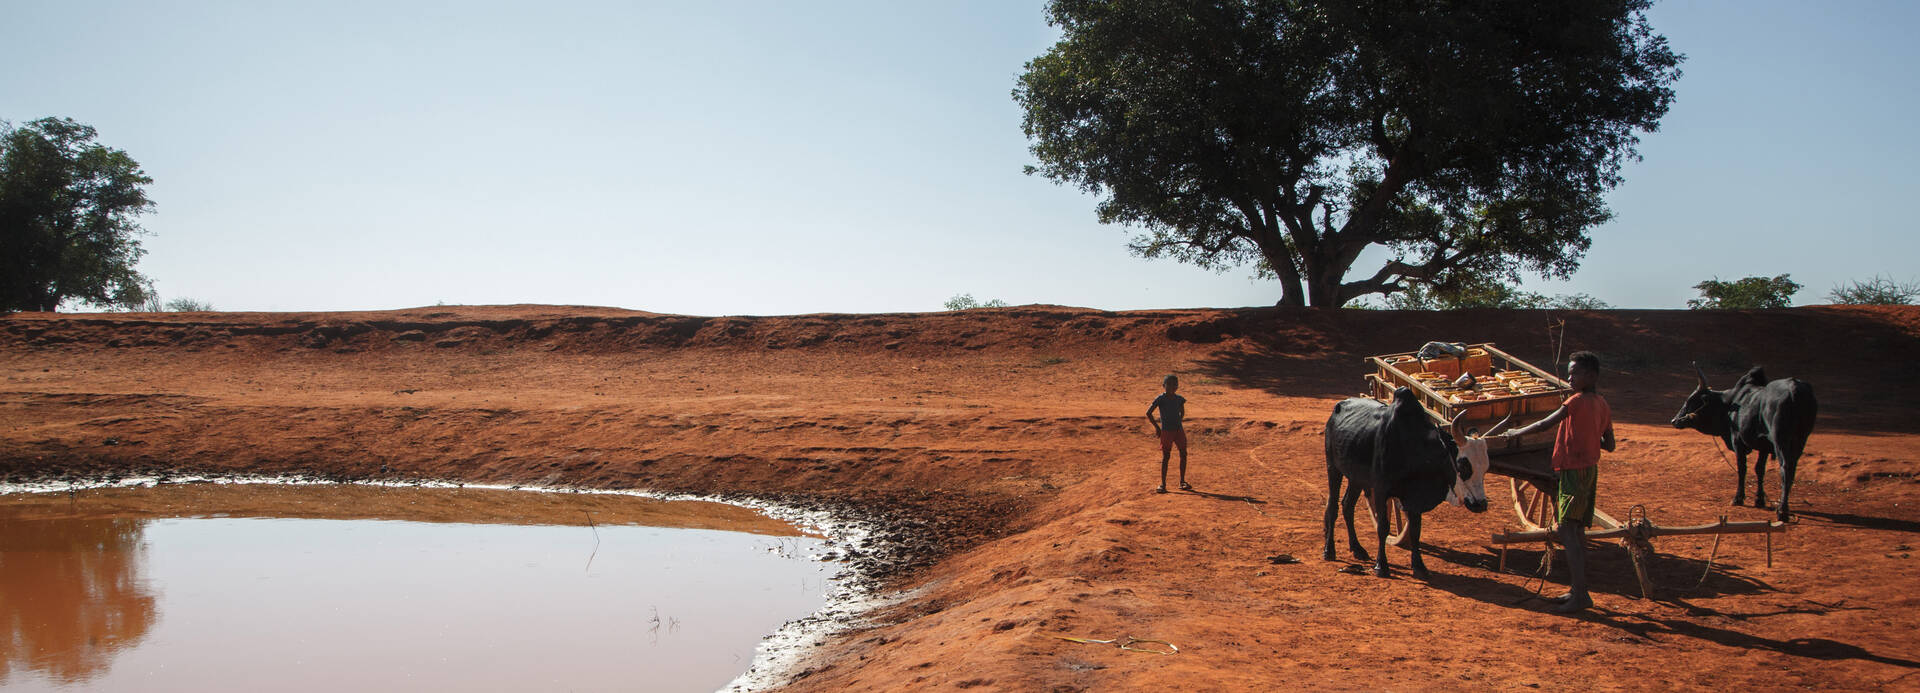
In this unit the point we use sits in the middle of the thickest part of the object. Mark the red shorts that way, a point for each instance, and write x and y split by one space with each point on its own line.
1170 437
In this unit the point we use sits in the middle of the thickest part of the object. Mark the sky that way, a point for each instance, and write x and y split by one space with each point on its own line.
773 158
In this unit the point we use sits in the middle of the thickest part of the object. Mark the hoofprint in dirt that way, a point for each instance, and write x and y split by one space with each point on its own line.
1009 443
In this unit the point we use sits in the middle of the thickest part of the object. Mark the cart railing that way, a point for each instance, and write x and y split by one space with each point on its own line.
1525 457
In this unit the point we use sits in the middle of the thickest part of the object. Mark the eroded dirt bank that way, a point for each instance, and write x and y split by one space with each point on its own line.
1007 450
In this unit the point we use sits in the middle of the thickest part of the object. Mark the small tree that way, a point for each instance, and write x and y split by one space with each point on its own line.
67 219
188 305
1745 294
1878 291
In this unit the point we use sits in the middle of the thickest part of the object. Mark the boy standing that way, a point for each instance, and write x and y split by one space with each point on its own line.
1172 408
1585 428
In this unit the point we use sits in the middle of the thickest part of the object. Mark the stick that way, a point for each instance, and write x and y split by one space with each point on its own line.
596 541
1715 554
1769 527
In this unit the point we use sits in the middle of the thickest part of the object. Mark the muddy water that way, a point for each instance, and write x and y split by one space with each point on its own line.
328 588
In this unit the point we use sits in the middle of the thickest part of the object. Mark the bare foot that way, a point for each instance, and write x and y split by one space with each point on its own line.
1574 605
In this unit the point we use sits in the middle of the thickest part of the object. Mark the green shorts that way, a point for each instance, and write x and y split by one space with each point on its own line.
1573 502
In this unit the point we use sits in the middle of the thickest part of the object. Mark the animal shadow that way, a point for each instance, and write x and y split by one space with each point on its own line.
1224 496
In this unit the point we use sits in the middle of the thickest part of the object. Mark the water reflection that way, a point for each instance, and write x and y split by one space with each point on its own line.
330 588
71 594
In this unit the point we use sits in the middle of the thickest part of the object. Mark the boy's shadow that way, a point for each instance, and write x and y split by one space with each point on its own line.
1223 496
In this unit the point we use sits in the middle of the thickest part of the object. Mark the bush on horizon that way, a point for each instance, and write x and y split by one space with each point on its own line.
1878 291
966 302
1749 293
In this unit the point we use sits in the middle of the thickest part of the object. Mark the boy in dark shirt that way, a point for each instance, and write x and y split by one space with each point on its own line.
1173 408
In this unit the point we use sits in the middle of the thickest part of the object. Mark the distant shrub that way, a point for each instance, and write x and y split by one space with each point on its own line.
966 302
1745 294
1878 291
188 305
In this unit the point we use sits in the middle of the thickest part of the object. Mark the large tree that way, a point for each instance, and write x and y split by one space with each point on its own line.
68 209
1471 138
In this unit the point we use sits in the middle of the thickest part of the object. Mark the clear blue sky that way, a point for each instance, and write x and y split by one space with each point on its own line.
783 157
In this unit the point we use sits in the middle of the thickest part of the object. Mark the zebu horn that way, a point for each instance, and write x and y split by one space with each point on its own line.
1455 423
1496 427
1702 373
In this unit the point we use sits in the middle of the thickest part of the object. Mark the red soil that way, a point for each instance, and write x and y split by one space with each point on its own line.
1007 448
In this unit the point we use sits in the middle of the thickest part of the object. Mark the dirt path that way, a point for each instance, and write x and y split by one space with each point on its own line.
1007 448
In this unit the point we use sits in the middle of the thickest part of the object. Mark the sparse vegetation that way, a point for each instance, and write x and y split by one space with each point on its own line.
967 302
1878 291
188 305
1749 293
1485 295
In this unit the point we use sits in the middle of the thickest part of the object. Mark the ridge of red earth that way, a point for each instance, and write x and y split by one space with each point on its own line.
1006 454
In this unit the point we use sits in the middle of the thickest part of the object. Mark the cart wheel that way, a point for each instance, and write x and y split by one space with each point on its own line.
1399 527
1532 506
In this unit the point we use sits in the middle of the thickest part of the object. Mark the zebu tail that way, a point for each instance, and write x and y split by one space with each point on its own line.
1797 414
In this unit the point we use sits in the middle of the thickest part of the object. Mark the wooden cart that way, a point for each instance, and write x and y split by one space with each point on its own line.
1526 461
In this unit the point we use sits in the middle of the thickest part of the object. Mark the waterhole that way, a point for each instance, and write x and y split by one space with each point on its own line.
344 587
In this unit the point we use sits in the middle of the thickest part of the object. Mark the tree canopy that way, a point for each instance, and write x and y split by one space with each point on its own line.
1471 139
68 209
1748 293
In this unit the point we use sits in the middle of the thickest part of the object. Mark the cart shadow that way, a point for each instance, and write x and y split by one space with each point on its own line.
1609 571
1666 575
1650 627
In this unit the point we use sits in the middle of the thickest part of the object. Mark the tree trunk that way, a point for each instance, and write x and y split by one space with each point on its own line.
1290 295
1320 295
1282 263
1325 281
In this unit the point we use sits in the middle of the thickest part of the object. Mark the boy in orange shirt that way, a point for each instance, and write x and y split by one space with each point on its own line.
1585 428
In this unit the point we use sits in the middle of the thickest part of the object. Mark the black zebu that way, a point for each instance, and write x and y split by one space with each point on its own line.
1771 418
1390 451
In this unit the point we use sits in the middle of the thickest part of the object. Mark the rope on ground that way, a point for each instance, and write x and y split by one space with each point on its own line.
1540 574
1546 567
1710 556
1127 643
